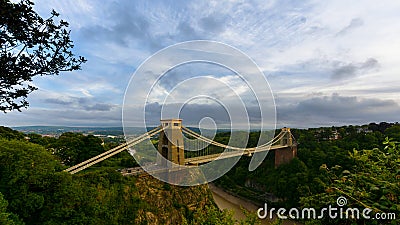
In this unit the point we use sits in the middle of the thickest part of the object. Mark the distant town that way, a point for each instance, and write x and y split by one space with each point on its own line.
56 131
117 133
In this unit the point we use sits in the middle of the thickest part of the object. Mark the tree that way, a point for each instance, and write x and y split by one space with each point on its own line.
26 176
30 46
73 148
212 215
373 183
393 132
7 218
8 133
36 191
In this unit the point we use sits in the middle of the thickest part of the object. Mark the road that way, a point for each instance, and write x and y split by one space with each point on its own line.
225 200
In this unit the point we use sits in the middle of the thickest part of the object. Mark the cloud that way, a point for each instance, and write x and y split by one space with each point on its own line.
63 117
337 110
351 70
58 101
80 103
185 31
214 23
99 107
121 27
305 46
150 26
192 113
354 23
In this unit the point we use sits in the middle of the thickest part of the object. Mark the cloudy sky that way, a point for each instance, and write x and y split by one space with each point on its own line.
327 62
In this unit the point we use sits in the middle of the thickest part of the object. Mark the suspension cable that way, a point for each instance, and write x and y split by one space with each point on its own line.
149 134
111 152
261 147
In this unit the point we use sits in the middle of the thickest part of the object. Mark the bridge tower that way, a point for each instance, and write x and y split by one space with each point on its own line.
170 144
287 139
286 154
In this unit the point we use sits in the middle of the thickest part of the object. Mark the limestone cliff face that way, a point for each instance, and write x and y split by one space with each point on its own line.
169 204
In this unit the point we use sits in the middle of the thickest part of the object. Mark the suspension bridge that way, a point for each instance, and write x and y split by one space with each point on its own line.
176 143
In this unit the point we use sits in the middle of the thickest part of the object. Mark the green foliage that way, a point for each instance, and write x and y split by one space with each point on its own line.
30 46
40 193
327 167
373 182
73 148
9 133
294 173
7 218
26 174
101 197
38 139
393 132
211 215
251 218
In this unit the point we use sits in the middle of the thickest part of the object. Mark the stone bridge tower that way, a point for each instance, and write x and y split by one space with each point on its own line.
170 144
286 154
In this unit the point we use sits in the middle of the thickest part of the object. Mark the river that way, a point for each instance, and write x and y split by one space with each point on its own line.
225 200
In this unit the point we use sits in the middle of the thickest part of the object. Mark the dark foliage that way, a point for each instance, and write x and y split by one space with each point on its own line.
30 46
328 166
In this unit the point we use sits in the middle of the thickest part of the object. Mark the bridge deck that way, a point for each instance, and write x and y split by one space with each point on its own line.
218 156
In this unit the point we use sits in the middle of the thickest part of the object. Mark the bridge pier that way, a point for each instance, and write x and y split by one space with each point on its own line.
285 155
